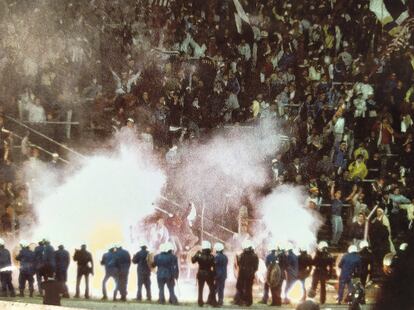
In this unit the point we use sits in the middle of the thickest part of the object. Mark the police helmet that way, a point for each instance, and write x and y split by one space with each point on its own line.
322 245
169 246
219 247
205 245
163 248
352 249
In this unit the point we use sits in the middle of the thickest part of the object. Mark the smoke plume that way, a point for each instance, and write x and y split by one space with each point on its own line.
109 190
234 159
287 218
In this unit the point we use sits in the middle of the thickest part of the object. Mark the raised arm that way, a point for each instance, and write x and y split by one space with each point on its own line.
134 78
354 195
332 190
117 79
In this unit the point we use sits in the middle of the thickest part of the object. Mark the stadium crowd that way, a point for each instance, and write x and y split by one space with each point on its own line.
338 84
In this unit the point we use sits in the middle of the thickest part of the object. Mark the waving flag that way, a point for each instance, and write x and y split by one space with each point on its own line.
391 13
240 11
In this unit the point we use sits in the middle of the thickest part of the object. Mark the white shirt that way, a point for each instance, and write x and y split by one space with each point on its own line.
339 126
123 87
37 113
363 89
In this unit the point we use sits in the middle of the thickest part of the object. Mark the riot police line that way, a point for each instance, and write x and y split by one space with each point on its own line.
50 267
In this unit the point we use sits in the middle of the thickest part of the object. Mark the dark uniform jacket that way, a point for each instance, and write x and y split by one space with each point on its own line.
109 261
62 259
84 260
221 261
206 263
123 260
350 265
366 259
45 257
305 265
38 256
248 263
27 260
323 262
140 258
167 266
5 260
292 264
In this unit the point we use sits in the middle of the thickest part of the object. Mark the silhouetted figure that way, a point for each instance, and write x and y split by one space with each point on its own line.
206 273
85 268
248 263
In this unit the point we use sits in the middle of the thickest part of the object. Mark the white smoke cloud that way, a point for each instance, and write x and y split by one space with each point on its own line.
234 165
233 162
288 219
110 189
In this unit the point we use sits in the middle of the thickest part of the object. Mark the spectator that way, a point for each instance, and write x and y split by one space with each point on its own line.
36 112
385 135
357 230
357 169
336 217
340 160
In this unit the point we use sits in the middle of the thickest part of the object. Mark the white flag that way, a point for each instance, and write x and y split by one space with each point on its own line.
238 22
240 11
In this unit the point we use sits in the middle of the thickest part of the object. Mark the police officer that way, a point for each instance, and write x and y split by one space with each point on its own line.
5 271
123 262
27 260
248 263
292 269
167 272
366 261
38 251
275 279
49 258
62 259
45 262
221 262
111 271
270 258
144 272
206 273
350 265
323 262
305 268
85 267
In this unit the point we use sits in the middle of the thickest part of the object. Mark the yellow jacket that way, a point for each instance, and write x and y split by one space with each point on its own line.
329 39
357 170
255 108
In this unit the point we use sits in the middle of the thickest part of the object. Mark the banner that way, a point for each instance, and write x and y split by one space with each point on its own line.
240 11
238 22
391 13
